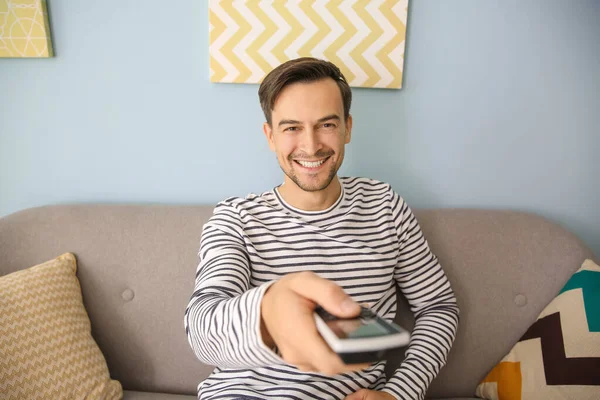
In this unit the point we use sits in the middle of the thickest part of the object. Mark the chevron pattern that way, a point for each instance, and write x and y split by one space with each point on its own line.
364 38
46 347
559 355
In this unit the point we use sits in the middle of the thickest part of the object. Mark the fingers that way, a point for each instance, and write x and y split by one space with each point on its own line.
357 367
318 357
305 368
325 293
329 363
359 395
307 350
287 320
324 359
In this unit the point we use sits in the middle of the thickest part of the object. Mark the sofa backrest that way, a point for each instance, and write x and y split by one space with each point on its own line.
136 265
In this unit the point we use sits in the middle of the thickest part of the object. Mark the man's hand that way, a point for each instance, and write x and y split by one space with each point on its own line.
365 394
287 321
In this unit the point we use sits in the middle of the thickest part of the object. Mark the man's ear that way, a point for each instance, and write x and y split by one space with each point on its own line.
348 133
268 131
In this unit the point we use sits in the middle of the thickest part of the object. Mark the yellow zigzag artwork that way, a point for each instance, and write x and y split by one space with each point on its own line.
365 38
24 29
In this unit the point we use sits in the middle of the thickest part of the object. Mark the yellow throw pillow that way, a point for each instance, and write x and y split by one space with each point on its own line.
46 347
558 358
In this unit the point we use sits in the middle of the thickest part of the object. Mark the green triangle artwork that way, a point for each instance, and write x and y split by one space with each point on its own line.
24 29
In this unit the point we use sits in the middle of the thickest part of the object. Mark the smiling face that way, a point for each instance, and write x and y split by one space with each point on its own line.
308 133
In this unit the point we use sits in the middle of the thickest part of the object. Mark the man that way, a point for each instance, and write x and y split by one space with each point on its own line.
267 261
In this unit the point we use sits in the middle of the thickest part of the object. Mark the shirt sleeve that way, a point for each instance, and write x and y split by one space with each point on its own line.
222 319
427 289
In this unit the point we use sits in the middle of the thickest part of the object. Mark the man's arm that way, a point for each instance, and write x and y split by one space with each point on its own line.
222 320
227 323
432 301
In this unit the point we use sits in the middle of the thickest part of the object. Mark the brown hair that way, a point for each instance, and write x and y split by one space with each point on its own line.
305 69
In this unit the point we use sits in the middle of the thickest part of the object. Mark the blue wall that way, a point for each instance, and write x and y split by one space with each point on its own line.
500 109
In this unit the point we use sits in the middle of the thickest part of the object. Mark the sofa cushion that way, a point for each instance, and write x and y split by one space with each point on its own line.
46 347
559 355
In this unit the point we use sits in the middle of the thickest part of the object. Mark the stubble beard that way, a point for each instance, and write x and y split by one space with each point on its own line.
311 187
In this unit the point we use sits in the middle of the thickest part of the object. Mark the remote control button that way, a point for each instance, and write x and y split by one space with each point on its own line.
366 313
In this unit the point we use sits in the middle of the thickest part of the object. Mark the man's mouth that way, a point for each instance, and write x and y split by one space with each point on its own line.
311 164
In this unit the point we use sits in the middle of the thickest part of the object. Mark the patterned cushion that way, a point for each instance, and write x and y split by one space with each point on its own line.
46 347
559 356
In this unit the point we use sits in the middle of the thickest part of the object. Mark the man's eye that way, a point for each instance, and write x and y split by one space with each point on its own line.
291 129
328 125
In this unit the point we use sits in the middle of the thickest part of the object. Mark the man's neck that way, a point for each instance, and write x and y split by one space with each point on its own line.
310 201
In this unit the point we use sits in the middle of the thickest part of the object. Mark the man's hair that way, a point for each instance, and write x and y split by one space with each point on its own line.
305 69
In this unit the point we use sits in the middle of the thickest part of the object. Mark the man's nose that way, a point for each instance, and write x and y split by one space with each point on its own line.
310 141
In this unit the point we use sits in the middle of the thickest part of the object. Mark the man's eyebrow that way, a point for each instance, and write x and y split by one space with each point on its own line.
295 122
289 122
328 117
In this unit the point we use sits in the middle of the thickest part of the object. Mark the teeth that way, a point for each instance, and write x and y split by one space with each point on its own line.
310 164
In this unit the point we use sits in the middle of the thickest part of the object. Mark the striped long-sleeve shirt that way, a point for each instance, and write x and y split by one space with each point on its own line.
368 242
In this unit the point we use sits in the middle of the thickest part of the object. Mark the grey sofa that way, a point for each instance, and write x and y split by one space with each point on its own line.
136 265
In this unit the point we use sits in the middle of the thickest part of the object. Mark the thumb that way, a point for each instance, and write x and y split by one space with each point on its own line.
360 395
326 293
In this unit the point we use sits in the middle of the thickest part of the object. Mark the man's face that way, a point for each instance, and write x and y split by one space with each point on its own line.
308 133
